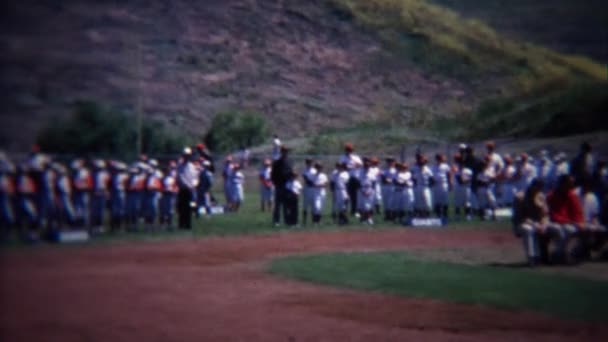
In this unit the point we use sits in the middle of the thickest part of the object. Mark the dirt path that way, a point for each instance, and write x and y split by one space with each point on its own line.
215 289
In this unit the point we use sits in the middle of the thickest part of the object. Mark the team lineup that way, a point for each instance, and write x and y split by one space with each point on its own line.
361 187
551 201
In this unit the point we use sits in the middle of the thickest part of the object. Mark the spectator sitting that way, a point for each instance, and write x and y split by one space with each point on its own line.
531 220
594 233
567 221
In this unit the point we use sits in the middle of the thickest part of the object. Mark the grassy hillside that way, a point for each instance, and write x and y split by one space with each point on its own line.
319 66
572 27
440 39
181 62
576 109
540 92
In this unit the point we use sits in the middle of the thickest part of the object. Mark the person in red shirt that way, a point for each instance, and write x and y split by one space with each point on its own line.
567 219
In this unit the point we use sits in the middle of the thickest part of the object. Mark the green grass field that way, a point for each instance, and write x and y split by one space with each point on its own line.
405 275
250 220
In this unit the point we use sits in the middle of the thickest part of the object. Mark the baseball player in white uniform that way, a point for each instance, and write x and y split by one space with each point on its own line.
498 164
507 180
387 188
308 200
442 175
463 177
294 189
562 167
423 180
227 176
237 179
526 172
353 165
375 169
545 170
341 198
485 195
319 193
266 186
366 194
403 193
496 161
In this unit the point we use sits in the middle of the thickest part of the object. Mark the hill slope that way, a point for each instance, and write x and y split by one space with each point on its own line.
308 66
573 27
297 62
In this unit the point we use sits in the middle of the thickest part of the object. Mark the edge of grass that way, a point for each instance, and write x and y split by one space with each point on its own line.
399 273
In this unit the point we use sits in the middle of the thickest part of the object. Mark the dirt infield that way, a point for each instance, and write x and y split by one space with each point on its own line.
216 289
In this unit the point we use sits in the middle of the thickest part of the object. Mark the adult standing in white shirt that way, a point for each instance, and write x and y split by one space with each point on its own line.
353 165
187 181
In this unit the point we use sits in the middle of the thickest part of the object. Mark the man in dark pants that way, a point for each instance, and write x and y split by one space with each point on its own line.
188 175
583 165
281 172
476 165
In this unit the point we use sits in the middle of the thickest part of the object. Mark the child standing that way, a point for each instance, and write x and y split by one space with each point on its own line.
294 188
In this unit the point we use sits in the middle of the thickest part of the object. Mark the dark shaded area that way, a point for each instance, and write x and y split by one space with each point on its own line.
574 27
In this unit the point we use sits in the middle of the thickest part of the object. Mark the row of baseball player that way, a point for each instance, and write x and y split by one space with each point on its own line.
479 185
42 193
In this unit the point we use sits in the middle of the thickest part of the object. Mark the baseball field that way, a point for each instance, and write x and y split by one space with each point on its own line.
235 277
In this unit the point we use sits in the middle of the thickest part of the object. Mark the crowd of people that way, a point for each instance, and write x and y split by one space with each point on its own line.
565 221
40 195
475 186
550 199
553 200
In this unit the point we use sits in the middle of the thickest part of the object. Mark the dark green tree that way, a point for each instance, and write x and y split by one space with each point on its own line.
231 130
96 130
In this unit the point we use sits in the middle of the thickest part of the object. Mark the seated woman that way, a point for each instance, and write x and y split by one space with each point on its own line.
531 219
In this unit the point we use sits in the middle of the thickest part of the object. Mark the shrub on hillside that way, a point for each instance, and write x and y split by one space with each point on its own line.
577 109
96 130
232 130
